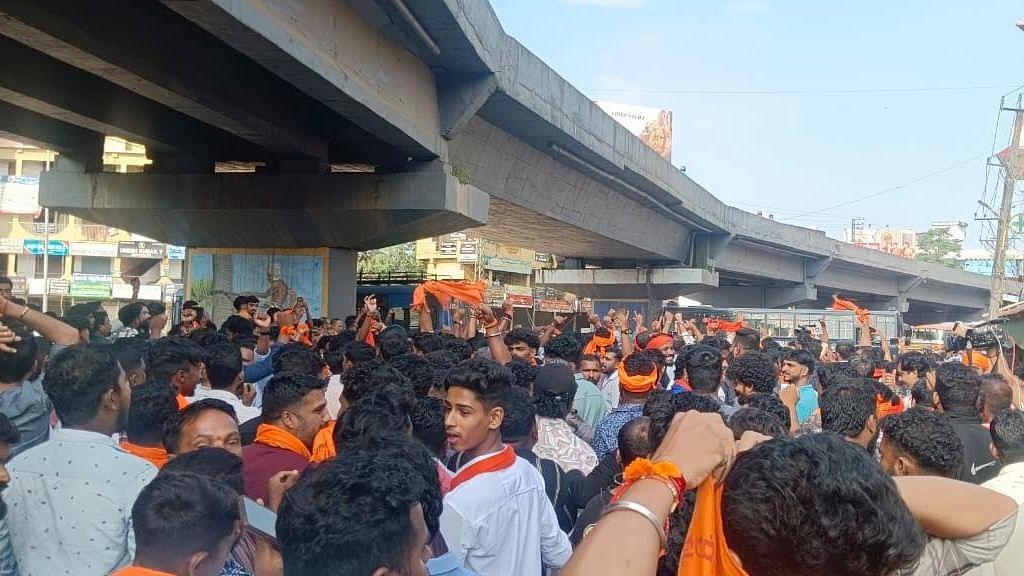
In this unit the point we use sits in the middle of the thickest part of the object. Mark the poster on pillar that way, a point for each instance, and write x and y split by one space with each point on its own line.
278 280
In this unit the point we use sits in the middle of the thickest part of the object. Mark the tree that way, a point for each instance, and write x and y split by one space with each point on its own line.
937 245
399 259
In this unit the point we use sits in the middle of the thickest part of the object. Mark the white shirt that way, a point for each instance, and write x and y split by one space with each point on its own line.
1009 482
333 395
556 441
242 412
70 504
502 523
610 391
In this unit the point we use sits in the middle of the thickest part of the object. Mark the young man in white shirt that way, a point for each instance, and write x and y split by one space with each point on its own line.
1007 430
497 519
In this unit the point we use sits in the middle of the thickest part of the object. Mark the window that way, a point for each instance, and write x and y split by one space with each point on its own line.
93 265
56 267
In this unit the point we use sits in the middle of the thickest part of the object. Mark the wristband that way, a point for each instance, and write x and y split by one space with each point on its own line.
666 472
627 505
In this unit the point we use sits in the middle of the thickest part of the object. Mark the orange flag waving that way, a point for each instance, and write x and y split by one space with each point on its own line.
445 290
706 552
863 314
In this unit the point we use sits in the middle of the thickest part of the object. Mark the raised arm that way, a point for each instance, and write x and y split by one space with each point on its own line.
493 333
47 326
953 510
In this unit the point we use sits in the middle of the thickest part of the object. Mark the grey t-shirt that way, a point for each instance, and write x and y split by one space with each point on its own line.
28 408
964 556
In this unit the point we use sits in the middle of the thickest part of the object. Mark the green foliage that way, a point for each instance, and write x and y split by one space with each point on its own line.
400 259
201 290
938 246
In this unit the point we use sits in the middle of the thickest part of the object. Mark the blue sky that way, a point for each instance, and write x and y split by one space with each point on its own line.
792 106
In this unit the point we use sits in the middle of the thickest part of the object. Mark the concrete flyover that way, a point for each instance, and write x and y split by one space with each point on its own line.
375 121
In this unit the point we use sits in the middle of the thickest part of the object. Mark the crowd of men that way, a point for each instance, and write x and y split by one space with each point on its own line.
274 444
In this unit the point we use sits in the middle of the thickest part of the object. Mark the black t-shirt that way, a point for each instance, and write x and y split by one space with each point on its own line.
979 466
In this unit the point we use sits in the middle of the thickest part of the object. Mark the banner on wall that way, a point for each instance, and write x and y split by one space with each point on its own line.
277 280
91 285
652 125
97 249
19 195
56 247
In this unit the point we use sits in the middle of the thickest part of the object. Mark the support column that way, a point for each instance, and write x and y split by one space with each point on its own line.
341 282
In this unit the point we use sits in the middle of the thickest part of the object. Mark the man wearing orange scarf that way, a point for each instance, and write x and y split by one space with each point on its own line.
638 376
294 410
185 524
153 404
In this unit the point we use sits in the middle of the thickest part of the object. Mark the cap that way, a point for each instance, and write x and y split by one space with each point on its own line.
555 379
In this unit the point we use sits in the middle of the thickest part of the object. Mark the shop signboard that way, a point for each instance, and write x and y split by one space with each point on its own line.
468 252
56 247
175 252
11 246
503 264
96 249
142 249
91 285
557 306
448 248
520 300
58 286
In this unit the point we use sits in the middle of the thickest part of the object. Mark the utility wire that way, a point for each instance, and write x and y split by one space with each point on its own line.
809 91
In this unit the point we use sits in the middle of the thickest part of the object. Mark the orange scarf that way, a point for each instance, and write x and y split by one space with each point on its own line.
718 325
639 383
139 571
446 290
500 460
298 333
182 402
884 408
371 338
270 435
323 444
658 340
706 553
155 456
863 314
598 345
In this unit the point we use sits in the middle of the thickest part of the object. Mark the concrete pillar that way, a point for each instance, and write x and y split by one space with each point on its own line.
341 282
222 305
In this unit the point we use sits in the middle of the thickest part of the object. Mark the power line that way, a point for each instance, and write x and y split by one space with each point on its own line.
800 91
894 188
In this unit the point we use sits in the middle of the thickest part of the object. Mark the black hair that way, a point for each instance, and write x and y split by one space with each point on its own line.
756 370
564 347
995 394
427 342
1007 431
641 363
717 342
77 379
416 370
755 420
921 394
635 440
153 405
520 416
99 318
462 349
488 380
957 386
704 368
428 423
358 352
239 302
285 391
380 413
851 520
441 359
77 322
393 344
810 344
846 407
297 358
179 514
373 485
801 357
748 339
658 397
845 350
914 362
166 356
211 462
589 358
522 335
830 374
661 414
8 432
156 308
17 365
187 415
864 365
771 404
524 373
237 326
928 437
206 337
223 365
130 313
369 376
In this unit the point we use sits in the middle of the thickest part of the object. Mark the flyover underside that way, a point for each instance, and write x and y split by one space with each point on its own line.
355 211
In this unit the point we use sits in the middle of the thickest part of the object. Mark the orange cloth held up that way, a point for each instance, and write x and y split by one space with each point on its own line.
182 402
863 314
884 408
155 456
445 290
639 383
706 553
323 444
500 460
270 435
719 325
598 345
139 571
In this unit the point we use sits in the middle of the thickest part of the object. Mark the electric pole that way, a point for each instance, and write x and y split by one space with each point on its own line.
1011 174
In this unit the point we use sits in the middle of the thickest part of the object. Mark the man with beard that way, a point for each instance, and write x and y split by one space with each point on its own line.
848 409
752 373
134 319
71 497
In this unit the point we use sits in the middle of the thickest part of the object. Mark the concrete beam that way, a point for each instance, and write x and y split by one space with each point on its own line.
650 284
844 280
326 50
746 259
45 132
461 97
354 211
815 266
126 43
707 247
511 170
784 297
